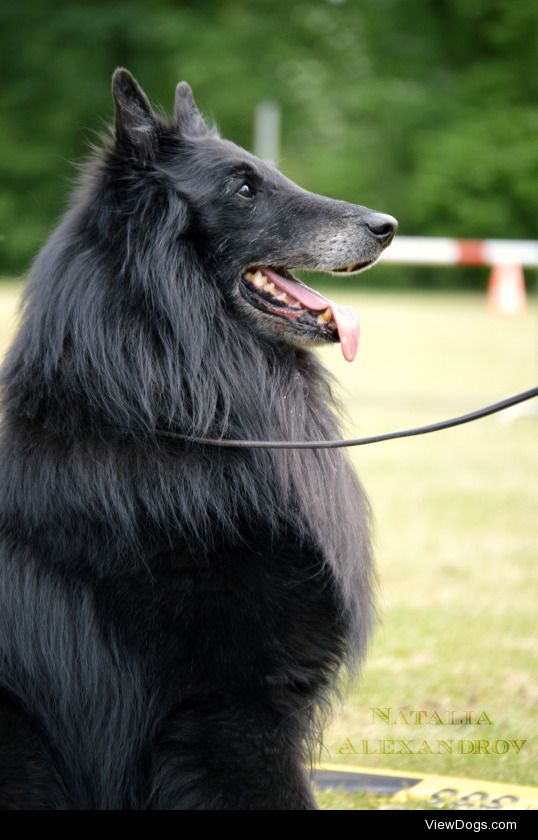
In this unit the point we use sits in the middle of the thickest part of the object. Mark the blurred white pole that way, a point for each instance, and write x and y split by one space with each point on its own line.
436 250
267 121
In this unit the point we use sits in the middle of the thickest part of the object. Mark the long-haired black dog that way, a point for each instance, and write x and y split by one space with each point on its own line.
175 617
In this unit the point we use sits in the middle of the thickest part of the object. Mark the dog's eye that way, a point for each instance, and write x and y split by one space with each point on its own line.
246 190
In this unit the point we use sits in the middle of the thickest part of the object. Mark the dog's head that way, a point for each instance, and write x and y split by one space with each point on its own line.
248 223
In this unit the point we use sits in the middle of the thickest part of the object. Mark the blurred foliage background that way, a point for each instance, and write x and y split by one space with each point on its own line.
426 109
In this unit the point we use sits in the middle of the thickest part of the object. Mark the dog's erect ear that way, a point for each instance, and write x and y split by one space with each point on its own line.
187 117
136 124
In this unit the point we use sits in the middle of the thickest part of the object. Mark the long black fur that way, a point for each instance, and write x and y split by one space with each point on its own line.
173 619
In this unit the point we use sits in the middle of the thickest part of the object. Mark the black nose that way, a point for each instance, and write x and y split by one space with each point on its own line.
383 227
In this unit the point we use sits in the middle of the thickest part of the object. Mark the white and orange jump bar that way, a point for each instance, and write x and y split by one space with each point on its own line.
437 250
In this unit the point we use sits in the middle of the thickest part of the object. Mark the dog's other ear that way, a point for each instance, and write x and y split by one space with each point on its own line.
135 125
187 117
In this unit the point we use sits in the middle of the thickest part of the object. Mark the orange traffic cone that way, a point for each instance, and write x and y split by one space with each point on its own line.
506 290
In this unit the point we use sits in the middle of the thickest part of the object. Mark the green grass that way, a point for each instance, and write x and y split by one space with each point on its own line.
456 530
340 800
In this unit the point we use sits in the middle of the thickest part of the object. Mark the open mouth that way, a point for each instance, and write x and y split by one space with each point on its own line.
277 292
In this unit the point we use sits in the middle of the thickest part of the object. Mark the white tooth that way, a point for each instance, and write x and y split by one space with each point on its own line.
259 278
248 275
296 305
326 316
283 297
270 287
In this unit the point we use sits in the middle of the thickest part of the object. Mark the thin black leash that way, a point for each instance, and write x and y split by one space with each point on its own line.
338 444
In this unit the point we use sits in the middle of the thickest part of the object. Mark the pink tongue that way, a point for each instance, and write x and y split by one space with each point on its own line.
344 316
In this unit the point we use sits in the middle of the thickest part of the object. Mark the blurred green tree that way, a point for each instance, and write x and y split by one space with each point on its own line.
426 109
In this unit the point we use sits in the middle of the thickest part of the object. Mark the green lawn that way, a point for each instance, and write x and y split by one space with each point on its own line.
456 530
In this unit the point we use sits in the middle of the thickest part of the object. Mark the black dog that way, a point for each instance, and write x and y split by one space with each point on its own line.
173 616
